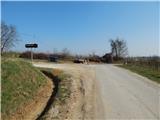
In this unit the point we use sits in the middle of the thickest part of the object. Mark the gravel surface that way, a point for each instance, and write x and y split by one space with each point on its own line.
126 95
117 94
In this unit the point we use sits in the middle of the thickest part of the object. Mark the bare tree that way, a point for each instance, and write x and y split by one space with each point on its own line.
114 48
121 48
65 53
118 48
55 51
8 36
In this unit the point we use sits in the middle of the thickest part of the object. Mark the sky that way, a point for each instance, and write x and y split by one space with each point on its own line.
85 27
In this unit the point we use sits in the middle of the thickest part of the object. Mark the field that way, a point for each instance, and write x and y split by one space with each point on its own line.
20 81
149 72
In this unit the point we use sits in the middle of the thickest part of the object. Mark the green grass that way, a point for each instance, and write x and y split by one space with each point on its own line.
19 83
144 71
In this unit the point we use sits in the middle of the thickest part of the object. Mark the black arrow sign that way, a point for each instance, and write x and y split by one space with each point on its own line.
31 45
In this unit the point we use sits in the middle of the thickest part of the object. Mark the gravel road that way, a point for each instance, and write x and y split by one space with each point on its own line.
119 93
126 95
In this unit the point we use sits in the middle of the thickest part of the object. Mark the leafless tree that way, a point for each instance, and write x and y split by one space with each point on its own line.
66 53
8 36
118 48
114 48
55 51
121 48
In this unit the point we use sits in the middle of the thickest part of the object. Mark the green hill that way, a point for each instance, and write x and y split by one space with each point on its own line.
19 83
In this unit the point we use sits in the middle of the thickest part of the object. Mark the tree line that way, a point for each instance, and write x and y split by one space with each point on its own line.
9 38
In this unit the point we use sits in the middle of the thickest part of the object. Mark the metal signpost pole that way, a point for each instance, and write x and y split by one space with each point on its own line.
31 56
31 46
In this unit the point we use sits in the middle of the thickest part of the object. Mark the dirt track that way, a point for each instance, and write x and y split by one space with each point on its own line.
81 103
109 92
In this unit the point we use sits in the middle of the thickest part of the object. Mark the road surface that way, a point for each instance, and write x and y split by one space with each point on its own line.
126 95
120 94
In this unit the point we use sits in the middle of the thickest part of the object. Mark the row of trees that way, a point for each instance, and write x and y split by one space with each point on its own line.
9 37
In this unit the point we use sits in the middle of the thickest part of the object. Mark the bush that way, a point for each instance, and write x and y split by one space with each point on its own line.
11 54
27 54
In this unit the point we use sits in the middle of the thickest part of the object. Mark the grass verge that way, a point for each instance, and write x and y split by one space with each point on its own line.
144 71
20 81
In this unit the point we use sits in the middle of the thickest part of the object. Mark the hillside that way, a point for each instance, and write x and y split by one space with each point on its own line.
20 82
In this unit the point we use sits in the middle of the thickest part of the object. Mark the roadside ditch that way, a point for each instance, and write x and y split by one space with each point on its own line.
61 92
55 80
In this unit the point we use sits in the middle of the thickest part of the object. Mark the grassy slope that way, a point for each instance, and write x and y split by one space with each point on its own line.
144 71
20 81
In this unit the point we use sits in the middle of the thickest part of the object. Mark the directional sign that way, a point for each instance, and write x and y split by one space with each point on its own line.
31 45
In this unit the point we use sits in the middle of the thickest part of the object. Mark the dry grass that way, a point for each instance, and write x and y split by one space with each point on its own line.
20 81
56 72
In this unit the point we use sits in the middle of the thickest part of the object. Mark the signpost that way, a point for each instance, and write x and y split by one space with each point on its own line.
31 46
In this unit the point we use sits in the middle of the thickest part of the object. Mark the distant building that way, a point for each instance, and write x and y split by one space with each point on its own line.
108 58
